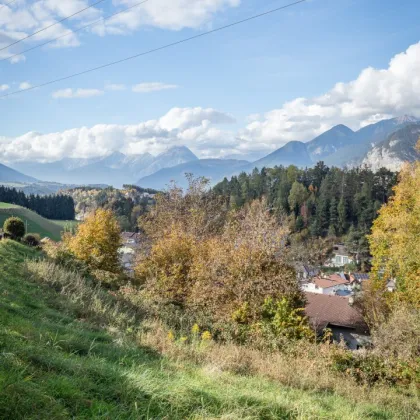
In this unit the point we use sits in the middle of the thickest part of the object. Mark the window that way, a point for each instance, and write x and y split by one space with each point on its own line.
345 260
338 259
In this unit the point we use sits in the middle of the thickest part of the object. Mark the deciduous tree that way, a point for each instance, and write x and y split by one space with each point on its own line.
97 241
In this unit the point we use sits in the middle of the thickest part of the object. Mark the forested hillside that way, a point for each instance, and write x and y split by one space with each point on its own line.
56 206
321 201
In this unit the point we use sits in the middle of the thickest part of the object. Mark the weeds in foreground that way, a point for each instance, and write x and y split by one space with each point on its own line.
62 357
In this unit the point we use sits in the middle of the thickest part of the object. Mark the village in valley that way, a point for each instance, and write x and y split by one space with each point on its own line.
209 210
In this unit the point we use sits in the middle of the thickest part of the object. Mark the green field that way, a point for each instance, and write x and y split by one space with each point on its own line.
67 224
8 206
35 223
56 362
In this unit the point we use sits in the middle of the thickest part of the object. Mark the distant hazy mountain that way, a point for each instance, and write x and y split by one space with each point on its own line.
10 175
172 157
116 169
364 139
339 146
398 148
293 153
329 142
213 169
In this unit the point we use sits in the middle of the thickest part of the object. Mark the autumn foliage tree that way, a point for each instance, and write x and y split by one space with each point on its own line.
97 241
216 265
395 246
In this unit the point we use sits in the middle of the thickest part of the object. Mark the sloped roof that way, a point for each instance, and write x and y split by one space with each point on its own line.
329 281
325 310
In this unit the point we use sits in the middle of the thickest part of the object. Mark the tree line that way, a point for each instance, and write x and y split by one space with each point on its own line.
321 201
56 206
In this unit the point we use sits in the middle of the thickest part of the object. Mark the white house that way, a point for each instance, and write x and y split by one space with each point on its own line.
329 285
340 258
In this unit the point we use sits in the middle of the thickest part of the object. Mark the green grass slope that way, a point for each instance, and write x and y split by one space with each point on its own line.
35 222
54 364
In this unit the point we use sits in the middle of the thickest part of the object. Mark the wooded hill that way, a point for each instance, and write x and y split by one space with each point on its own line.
323 200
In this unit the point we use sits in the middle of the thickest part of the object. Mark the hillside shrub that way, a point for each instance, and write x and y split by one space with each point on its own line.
97 241
217 268
31 239
14 227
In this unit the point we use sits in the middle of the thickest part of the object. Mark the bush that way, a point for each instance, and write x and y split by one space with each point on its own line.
369 368
14 228
97 241
218 274
399 336
108 279
32 239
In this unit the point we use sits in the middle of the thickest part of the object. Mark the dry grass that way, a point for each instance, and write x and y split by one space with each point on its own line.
306 366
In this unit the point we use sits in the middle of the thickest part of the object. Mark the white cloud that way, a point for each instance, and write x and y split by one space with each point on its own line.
22 18
76 93
152 87
194 127
176 15
24 85
114 86
4 87
376 94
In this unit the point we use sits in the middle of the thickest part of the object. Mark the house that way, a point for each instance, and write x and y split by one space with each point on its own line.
328 285
337 314
130 243
340 258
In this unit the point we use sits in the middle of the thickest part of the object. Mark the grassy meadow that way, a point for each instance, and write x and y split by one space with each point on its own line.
75 353
34 222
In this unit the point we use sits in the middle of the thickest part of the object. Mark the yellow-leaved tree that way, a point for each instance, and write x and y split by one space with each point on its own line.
97 241
395 246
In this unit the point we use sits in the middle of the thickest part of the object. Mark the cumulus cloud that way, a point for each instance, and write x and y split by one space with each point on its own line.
375 95
4 87
152 87
177 15
197 128
24 85
22 18
76 93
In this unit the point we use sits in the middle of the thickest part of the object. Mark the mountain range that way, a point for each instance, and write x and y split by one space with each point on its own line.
387 143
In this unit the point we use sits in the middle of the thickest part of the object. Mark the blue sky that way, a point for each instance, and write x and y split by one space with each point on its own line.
255 68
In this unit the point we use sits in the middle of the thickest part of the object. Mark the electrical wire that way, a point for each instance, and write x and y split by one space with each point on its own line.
50 26
73 31
151 51
6 4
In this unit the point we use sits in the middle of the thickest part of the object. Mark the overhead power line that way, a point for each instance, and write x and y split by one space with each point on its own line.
163 47
73 31
50 26
6 4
